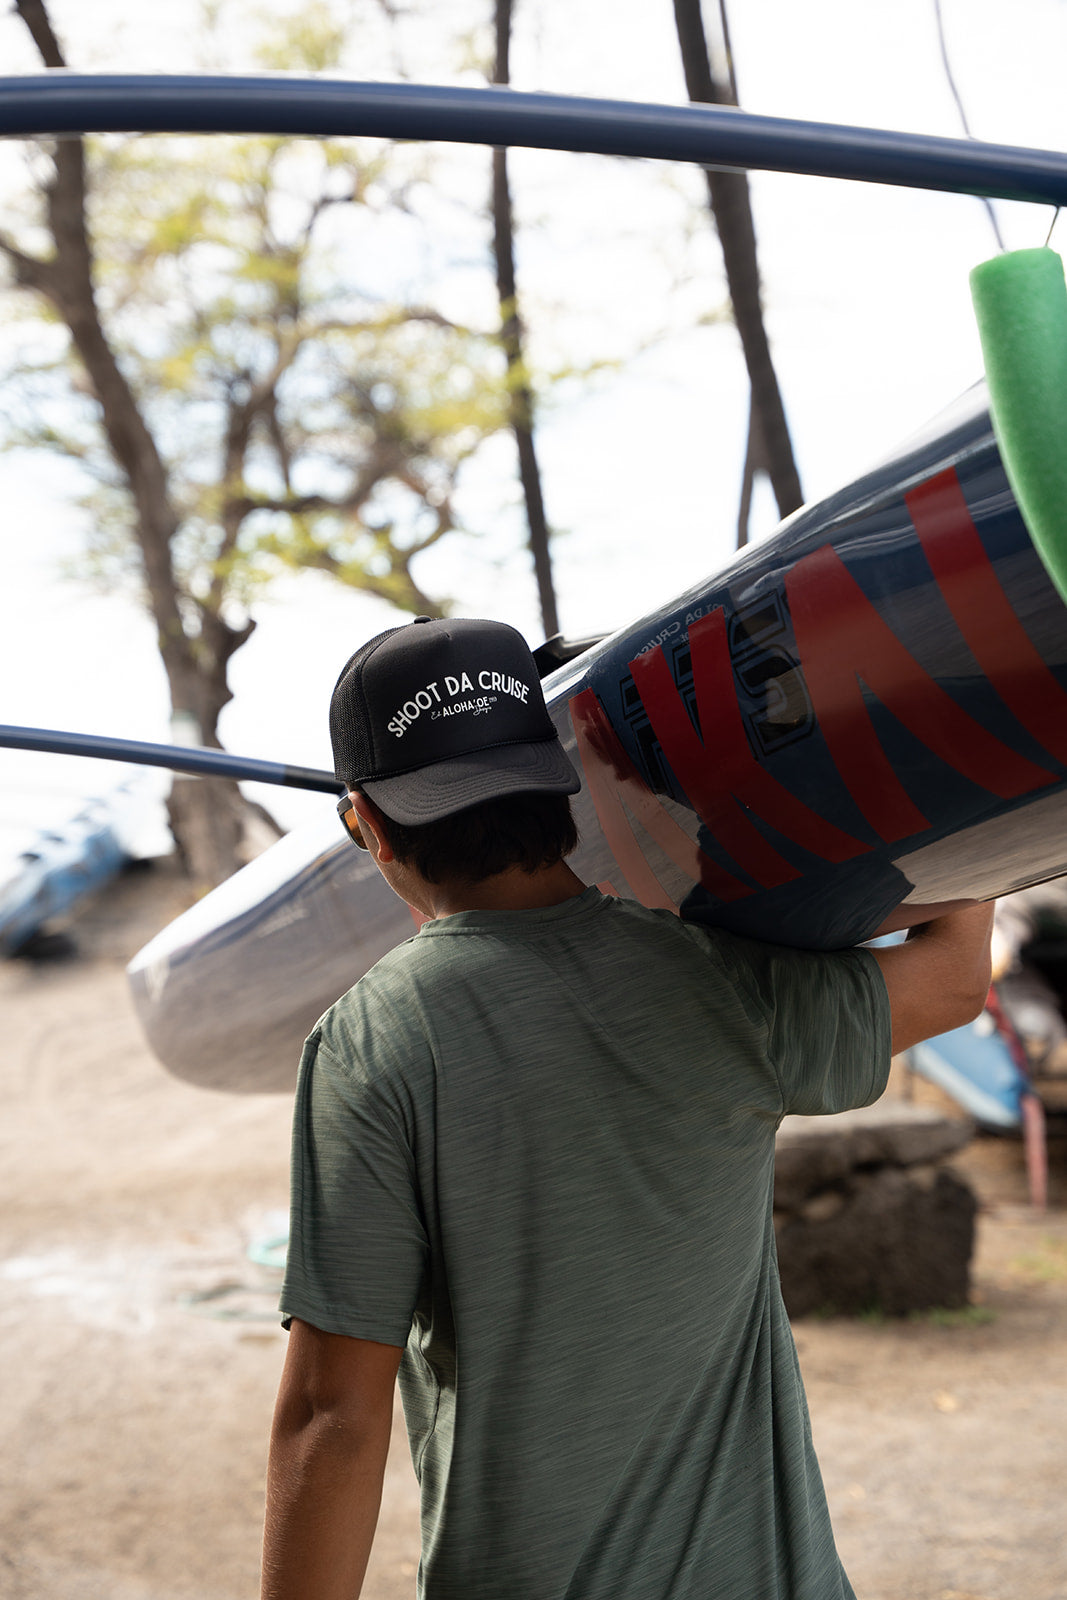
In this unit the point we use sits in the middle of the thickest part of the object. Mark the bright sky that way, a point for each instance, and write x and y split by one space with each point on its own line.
867 305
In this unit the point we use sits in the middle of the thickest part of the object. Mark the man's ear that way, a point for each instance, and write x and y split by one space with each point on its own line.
372 823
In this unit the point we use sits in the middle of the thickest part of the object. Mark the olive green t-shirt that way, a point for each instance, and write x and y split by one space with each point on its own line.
537 1149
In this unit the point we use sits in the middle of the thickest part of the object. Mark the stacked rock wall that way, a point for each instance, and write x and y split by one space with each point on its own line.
867 1218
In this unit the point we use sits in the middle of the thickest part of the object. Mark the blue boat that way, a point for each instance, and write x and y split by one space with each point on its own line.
975 1066
982 1067
46 870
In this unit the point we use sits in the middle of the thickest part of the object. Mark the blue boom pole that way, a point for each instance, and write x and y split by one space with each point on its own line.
70 103
192 759
62 104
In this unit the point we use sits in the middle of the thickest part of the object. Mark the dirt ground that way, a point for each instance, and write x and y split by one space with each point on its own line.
141 1351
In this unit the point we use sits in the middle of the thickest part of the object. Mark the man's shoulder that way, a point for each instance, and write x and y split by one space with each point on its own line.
377 1008
674 930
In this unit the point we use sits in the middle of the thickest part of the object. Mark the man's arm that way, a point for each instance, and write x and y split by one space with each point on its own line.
327 1460
939 978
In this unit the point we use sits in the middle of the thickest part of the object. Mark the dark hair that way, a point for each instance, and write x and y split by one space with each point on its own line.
527 830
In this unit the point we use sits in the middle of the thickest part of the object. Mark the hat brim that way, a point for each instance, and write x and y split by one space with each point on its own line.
436 791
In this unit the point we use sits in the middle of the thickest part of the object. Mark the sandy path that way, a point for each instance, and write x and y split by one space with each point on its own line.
141 1356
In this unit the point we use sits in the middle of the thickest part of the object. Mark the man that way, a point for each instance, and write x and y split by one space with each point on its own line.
533 1168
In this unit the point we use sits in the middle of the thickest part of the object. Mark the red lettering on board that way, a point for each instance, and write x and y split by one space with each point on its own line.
983 613
841 639
716 767
612 776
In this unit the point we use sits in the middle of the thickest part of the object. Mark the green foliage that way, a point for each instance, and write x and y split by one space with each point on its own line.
311 39
955 1317
1046 1263
875 1316
305 418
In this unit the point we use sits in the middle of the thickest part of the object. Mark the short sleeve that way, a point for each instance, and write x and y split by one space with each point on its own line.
357 1240
828 1023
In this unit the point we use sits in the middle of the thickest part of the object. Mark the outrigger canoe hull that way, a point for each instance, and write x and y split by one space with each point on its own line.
861 720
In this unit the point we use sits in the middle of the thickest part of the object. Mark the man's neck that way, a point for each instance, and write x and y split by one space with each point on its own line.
513 890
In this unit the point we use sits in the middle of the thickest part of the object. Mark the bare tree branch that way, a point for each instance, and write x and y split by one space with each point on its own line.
39 24
728 194
29 271
512 341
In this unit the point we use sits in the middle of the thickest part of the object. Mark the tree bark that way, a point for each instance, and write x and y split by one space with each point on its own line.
512 339
205 816
755 462
728 195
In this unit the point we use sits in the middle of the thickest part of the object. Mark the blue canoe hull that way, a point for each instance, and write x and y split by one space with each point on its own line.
974 1066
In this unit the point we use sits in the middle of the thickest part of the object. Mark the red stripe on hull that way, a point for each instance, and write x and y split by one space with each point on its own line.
716 767
983 613
841 639
611 777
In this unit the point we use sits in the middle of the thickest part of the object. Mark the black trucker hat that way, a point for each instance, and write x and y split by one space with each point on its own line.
435 716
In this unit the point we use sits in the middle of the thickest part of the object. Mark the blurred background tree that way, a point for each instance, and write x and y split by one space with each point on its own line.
217 339
238 405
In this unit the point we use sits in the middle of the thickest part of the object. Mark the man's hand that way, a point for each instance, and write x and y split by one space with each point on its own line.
327 1460
939 978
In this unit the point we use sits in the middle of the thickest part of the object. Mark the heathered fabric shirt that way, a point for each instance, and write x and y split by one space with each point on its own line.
537 1147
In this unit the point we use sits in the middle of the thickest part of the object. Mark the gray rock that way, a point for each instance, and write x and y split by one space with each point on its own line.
816 1153
893 1239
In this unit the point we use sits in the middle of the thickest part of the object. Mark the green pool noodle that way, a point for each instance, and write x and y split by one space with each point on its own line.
1020 301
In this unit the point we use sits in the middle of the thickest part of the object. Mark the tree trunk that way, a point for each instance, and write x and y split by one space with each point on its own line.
730 205
755 462
215 828
511 338
205 815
